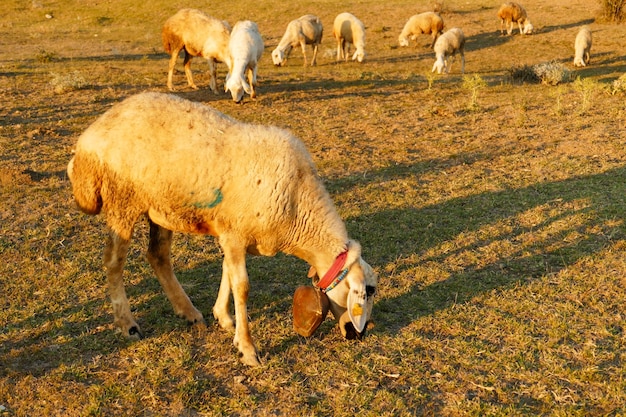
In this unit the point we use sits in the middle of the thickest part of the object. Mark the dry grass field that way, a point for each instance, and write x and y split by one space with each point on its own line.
492 210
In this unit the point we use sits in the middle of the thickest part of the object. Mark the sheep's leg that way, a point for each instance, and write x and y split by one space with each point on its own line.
519 25
187 64
159 257
213 75
303 47
252 81
221 308
114 258
170 71
462 62
235 267
314 60
339 50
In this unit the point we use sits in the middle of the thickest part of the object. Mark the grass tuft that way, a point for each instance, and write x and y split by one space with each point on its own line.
62 83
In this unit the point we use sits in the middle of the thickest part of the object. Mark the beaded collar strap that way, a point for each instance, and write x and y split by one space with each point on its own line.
335 274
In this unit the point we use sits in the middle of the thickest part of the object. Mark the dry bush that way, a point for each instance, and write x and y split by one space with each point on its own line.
619 85
613 10
550 73
62 83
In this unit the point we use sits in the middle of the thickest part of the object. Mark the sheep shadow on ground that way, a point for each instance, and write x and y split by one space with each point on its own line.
553 28
395 236
412 232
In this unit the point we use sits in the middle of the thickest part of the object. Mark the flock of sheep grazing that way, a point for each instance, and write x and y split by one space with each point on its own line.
198 34
255 188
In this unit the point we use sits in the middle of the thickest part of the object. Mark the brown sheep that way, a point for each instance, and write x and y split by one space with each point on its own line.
510 13
198 34
426 23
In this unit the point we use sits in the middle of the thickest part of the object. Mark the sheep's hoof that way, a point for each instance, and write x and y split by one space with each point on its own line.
226 322
251 359
135 333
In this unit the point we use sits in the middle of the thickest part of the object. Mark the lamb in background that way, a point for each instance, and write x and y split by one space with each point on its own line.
221 177
198 34
448 45
510 13
426 23
347 29
582 47
305 30
246 48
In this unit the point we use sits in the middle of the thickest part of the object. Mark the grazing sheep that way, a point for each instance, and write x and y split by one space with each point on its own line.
246 48
305 30
347 29
510 13
198 34
447 45
253 187
428 22
582 46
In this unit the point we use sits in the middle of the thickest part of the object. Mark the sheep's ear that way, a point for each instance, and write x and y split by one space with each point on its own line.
312 272
357 307
354 252
246 88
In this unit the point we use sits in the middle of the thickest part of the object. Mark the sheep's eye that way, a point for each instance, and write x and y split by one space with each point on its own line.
370 290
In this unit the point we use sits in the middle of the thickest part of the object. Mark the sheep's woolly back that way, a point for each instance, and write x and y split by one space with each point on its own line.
582 47
193 169
512 12
423 23
199 33
308 26
245 50
348 29
450 42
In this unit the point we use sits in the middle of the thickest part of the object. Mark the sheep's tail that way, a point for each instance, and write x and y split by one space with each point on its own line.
86 184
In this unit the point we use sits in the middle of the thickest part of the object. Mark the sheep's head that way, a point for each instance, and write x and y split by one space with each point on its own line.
440 65
351 301
278 57
359 55
237 86
403 40
528 28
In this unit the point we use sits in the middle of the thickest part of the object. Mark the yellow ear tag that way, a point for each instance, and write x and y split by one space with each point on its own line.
357 309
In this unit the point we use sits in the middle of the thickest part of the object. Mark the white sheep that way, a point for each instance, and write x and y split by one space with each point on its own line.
423 23
510 13
448 45
347 29
246 48
305 30
582 47
253 187
198 34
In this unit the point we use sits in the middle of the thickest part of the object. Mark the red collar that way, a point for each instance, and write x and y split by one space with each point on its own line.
332 273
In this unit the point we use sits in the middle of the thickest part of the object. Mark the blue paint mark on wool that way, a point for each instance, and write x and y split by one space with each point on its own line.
210 204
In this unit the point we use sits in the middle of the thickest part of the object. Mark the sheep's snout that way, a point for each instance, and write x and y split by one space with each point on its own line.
347 328
358 56
277 58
